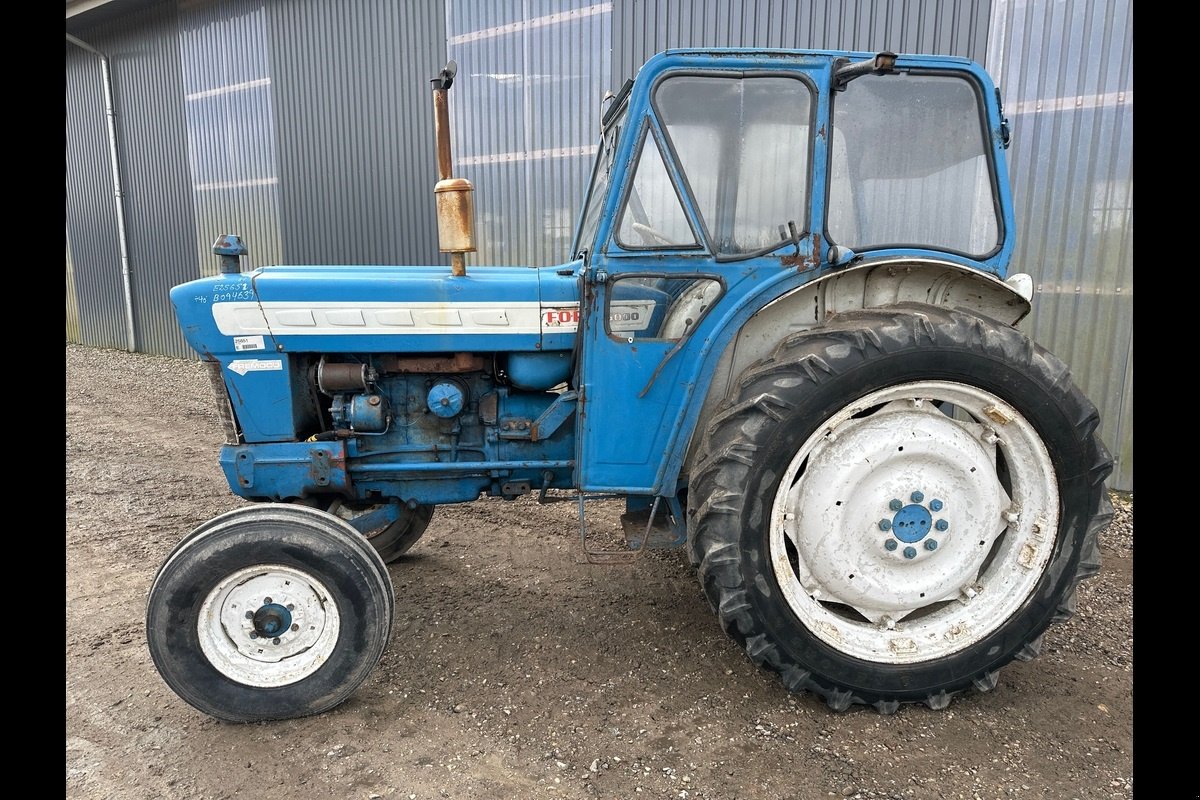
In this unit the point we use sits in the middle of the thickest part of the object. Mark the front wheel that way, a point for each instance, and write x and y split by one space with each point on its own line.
269 612
898 504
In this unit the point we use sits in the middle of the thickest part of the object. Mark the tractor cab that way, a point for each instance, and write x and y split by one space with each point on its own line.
725 180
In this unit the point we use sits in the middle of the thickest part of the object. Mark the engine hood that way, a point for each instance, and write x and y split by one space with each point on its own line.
380 309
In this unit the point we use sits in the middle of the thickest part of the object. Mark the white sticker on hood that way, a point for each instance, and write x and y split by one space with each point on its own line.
241 343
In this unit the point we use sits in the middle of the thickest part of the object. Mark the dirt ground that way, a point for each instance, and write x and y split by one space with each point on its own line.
515 671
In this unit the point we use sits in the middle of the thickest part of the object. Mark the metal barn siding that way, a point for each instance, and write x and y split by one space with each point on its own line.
525 113
354 129
226 91
151 132
95 267
1066 73
73 333
643 27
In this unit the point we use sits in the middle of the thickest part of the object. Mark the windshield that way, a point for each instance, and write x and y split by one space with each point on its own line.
743 143
598 189
909 166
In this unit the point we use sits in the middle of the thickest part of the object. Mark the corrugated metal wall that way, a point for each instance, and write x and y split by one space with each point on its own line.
354 123
227 99
525 111
73 332
152 132
298 125
1066 72
95 266
643 27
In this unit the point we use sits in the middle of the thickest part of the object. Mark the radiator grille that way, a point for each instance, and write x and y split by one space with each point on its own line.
233 434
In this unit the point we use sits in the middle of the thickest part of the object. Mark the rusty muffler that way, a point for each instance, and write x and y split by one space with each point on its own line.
455 204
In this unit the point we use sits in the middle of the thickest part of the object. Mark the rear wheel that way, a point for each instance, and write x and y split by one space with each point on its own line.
269 612
898 504
397 531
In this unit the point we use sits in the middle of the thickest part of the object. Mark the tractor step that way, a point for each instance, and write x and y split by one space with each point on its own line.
662 534
644 529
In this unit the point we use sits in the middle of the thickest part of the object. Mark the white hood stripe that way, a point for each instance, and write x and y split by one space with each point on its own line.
285 318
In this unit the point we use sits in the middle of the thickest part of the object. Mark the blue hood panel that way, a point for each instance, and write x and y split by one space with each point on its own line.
363 309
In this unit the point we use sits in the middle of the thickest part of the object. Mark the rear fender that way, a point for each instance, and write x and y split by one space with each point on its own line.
866 285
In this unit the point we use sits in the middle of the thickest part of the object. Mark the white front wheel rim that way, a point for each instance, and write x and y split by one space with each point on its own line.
268 625
894 536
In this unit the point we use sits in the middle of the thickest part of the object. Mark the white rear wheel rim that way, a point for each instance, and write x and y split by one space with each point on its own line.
268 625
893 537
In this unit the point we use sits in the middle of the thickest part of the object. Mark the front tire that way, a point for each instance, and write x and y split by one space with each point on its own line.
269 612
898 504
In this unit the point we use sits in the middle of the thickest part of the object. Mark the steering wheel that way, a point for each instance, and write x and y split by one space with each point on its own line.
650 235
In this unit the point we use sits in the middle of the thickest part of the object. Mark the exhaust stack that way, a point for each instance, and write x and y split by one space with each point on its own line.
455 206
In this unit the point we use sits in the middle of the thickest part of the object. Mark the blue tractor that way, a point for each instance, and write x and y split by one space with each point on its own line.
785 335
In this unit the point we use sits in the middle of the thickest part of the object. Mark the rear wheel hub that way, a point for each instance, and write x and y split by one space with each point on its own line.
899 532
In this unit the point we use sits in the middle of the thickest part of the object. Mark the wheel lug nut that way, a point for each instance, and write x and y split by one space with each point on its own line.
936 505
931 544
253 634
249 615
267 600
890 544
895 505
291 606
275 640
941 525
295 628
884 525
910 552
917 497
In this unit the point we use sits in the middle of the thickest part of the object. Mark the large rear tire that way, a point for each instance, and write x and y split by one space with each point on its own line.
898 504
269 612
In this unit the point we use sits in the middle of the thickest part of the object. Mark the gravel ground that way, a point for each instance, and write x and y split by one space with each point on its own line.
516 671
